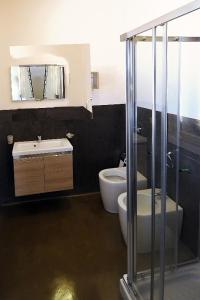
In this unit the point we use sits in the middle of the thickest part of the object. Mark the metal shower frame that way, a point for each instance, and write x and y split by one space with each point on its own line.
127 286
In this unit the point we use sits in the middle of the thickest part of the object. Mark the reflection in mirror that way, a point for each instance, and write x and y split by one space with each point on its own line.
68 75
37 82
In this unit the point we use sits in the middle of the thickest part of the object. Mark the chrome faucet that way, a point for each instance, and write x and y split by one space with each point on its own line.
39 138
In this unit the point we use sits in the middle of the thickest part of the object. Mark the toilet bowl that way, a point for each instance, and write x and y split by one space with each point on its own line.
144 220
113 183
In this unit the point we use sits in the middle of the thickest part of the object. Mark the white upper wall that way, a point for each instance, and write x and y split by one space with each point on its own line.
99 23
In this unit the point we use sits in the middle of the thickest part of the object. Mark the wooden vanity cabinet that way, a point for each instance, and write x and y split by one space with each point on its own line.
48 173
58 172
29 176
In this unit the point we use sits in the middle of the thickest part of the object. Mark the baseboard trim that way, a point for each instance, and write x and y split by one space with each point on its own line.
63 197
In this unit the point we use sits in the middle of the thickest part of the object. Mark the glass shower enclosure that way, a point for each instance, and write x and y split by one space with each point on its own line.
163 110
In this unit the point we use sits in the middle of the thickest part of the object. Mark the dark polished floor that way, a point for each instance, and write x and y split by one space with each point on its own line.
61 250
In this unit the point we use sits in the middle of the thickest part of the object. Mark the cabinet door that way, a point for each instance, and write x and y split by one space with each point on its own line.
29 176
58 172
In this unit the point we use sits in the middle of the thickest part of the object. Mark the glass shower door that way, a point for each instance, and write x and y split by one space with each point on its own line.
145 205
163 144
184 164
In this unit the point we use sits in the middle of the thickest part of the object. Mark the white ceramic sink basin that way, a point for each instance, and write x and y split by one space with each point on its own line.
41 147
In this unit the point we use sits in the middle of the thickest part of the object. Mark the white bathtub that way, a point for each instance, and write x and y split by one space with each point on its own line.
144 220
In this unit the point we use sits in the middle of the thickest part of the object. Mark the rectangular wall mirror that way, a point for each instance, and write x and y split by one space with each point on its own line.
38 74
37 82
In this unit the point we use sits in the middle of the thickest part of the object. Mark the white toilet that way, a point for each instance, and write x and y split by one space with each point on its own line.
144 220
113 183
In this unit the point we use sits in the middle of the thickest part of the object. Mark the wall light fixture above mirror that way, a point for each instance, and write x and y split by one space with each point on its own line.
38 82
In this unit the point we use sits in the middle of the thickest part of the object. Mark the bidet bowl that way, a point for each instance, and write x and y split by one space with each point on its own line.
144 218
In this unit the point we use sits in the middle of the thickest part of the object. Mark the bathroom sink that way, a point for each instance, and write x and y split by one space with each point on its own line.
41 147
